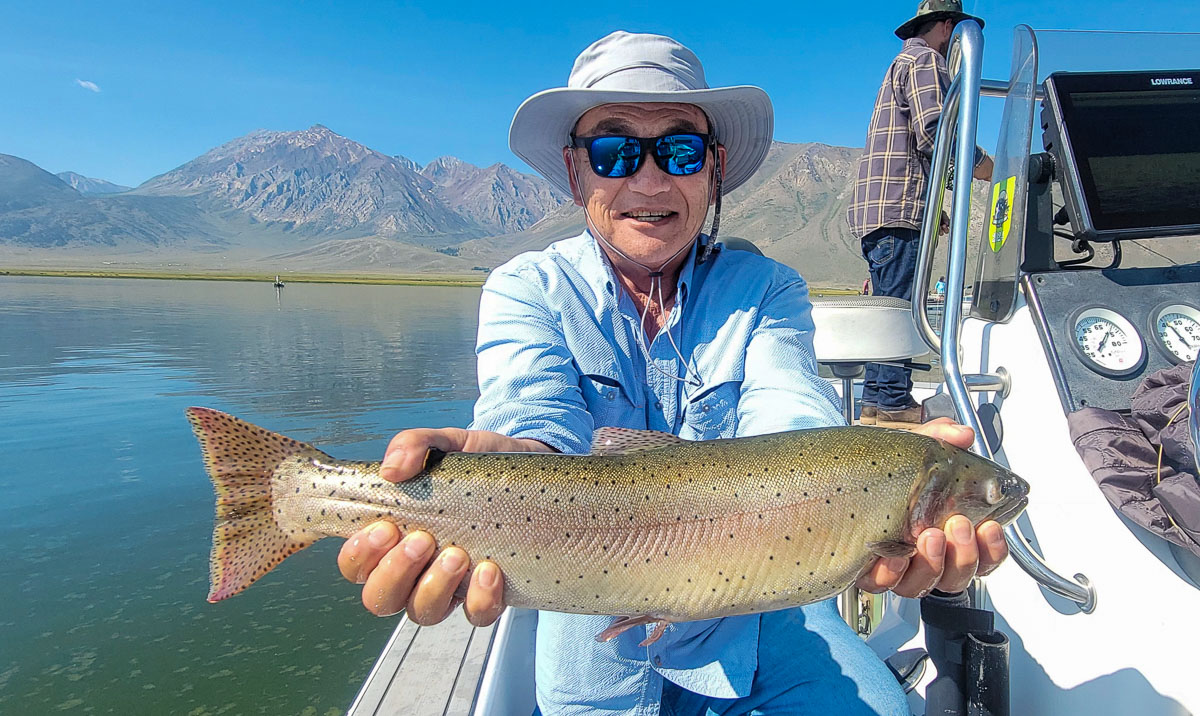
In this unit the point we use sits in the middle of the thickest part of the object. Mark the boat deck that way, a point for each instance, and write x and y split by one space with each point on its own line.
422 671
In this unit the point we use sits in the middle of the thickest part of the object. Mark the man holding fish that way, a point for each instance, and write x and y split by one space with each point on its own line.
644 322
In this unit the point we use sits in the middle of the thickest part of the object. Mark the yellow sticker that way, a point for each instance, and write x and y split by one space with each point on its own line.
1000 217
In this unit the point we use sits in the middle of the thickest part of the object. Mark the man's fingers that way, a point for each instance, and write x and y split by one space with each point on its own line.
962 555
389 584
363 550
925 567
946 429
993 549
485 595
406 453
432 598
883 575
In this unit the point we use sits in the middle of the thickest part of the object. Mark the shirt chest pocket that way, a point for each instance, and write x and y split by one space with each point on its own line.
607 402
711 410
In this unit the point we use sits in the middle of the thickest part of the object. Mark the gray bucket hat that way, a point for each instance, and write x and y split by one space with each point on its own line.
626 67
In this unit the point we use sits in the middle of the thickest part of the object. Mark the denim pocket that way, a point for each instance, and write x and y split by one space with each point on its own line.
882 252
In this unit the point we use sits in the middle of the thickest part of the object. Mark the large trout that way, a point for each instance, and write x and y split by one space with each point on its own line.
648 527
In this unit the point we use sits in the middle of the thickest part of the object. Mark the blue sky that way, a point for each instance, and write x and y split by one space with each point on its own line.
170 81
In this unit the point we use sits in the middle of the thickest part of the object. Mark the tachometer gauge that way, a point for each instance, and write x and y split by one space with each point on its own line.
1177 328
1108 342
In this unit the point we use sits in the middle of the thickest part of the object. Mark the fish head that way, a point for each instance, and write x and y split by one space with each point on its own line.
956 482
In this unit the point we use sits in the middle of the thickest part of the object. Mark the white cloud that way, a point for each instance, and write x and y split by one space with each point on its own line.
90 86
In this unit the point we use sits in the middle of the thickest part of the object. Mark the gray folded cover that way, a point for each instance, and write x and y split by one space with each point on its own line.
1122 454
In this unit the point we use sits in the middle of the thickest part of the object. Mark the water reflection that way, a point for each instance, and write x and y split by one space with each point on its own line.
107 515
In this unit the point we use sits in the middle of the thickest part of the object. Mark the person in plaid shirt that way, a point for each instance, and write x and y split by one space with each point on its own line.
889 192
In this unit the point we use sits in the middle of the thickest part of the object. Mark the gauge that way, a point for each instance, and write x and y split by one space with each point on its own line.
1177 328
1108 342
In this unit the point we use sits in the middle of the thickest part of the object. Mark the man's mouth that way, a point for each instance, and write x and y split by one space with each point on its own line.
648 216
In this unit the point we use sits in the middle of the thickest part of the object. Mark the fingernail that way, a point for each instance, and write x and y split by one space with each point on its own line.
897 565
995 536
379 536
452 560
935 545
417 545
391 464
960 527
487 574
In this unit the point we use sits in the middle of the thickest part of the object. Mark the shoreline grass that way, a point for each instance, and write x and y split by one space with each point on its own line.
431 279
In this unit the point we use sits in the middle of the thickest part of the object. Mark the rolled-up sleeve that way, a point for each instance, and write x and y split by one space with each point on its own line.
528 380
781 389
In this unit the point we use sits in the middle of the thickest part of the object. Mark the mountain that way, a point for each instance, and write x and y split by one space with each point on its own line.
23 184
88 186
497 198
315 200
320 183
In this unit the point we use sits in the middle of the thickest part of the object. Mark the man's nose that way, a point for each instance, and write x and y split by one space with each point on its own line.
650 179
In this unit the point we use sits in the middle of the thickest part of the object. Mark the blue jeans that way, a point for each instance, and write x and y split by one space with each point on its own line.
891 256
809 662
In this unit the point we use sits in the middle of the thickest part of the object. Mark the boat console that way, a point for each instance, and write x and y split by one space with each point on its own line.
1086 282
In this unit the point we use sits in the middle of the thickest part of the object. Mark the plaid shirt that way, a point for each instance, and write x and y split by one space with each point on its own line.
890 188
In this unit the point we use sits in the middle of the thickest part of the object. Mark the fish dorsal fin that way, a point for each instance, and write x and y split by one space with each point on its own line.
621 441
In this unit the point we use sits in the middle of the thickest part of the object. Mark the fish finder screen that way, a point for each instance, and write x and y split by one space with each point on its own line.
1137 153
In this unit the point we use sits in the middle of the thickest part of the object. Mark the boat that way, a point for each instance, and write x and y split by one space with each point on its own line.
1091 613
278 282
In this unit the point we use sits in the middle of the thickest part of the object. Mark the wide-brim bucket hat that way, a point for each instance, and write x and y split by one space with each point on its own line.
931 10
627 67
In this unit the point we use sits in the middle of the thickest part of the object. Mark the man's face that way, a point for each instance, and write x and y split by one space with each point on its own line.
651 215
941 36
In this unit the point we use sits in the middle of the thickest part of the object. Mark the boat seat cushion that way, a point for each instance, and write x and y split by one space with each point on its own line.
864 329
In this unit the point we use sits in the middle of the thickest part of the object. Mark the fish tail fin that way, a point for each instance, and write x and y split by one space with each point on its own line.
240 458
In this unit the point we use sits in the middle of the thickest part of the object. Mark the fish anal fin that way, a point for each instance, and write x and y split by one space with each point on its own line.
889 548
241 460
622 441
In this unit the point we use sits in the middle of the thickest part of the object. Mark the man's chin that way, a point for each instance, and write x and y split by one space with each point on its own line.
649 246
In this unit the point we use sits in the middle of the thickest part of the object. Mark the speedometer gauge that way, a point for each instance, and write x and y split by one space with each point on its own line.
1108 342
1177 328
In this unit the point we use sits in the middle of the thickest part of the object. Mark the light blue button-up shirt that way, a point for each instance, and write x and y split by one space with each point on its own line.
558 358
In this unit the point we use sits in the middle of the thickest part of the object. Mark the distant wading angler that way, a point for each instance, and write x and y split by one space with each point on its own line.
644 322
888 204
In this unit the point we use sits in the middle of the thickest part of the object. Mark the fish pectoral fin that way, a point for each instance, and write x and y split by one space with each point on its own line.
892 549
622 441
624 624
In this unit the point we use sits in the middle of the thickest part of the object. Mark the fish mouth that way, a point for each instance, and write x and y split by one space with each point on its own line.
1006 512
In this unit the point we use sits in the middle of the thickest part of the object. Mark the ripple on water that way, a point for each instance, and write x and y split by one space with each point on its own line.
94 377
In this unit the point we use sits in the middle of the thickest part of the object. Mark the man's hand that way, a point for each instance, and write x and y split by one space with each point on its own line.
401 571
983 170
949 559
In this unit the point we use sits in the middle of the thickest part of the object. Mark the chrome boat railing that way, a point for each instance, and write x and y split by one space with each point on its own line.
961 119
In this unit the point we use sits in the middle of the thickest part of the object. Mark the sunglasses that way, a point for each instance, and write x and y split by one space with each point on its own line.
618 157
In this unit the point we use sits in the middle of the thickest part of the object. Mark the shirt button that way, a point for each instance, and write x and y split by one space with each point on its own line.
706 407
610 395
658 404
658 661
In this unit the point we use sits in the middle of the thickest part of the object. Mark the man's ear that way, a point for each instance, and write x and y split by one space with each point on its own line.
576 191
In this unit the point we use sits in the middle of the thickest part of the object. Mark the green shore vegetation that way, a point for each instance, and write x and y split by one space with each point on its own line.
416 279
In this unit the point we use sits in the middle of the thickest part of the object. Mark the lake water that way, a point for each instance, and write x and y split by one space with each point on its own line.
106 514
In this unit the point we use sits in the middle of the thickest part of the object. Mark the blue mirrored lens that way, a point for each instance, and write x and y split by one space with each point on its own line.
680 154
615 157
